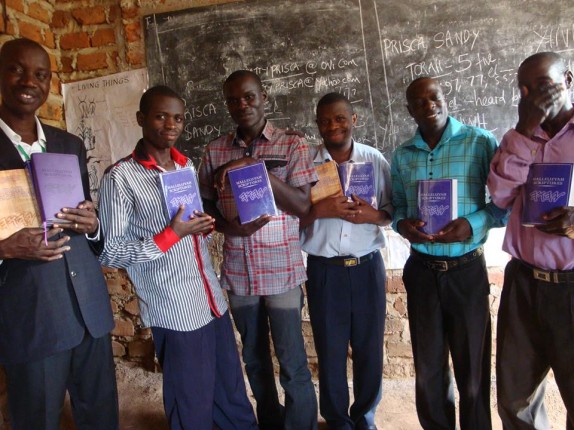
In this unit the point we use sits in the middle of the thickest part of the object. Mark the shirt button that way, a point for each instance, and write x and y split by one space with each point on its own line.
247 252
73 274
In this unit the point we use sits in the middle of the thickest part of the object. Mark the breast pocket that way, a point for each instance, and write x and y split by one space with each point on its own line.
277 168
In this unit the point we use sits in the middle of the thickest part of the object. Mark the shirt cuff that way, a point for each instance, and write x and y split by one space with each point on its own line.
166 239
94 237
397 217
477 221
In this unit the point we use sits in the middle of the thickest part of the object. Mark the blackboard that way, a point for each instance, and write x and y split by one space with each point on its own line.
368 50
474 50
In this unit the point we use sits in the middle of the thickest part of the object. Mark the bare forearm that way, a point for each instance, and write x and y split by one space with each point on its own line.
291 199
382 218
309 218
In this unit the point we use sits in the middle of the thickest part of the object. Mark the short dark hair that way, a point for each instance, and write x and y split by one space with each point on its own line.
553 57
158 90
415 82
19 43
238 74
329 99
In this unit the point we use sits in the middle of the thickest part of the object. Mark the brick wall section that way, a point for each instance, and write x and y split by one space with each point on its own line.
86 34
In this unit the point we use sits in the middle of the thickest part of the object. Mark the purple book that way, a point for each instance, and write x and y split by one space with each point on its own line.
437 203
57 184
252 192
179 187
359 179
549 186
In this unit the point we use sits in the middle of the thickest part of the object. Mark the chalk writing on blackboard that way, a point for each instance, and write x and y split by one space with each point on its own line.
367 50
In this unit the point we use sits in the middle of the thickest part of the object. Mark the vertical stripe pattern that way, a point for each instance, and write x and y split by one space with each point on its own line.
176 289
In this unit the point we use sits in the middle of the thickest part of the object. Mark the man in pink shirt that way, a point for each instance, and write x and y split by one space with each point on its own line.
536 319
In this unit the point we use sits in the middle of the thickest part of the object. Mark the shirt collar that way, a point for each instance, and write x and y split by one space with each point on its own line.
540 134
267 133
354 153
453 128
142 157
323 154
16 139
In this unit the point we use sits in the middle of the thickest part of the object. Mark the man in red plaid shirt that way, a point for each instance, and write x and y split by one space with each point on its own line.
262 262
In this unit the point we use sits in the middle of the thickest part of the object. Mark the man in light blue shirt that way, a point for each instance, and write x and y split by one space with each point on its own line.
346 275
445 276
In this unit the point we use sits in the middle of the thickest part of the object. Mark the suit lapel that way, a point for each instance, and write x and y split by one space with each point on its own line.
53 144
9 155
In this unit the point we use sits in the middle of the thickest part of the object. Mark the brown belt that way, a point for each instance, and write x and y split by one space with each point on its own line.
440 265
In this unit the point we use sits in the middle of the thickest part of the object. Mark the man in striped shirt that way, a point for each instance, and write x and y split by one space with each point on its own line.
445 276
262 260
168 262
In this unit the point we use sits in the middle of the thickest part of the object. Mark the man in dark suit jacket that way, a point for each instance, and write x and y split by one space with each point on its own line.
55 313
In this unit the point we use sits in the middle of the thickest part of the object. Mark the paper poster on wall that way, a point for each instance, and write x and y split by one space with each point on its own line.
102 112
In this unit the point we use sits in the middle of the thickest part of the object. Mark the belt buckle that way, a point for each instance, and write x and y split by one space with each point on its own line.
541 275
439 265
350 262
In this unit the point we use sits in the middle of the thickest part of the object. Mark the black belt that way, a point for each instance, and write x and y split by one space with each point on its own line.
552 276
346 261
447 263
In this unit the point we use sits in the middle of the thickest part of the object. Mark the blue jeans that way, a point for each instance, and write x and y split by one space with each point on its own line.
254 317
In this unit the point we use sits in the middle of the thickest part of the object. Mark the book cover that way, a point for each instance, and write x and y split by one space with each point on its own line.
18 207
179 187
359 179
328 184
437 203
549 186
252 192
57 184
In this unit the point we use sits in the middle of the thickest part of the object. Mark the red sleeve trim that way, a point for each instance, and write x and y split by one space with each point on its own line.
166 239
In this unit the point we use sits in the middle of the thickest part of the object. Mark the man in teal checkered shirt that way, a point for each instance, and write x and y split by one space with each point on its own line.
445 276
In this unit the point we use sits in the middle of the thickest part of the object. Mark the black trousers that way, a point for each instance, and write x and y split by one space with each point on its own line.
449 312
36 390
535 333
347 307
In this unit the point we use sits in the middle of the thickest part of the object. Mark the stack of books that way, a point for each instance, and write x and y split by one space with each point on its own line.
32 197
346 179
